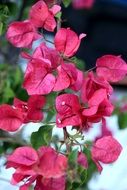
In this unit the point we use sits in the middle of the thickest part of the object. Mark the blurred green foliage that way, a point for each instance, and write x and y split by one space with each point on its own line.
11 78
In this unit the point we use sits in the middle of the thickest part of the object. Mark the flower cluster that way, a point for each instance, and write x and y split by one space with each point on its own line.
82 99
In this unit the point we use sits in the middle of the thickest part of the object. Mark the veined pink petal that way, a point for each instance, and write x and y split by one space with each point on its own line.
50 23
106 150
112 68
22 34
37 79
26 156
11 119
67 41
39 13
54 167
55 9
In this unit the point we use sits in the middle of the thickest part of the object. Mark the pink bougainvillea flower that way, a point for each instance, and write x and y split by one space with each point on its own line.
22 34
68 77
82 160
44 52
38 80
112 68
105 150
83 4
43 17
11 118
98 106
23 156
68 107
79 81
92 83
47 53
35 166
31 109
67 41
53 167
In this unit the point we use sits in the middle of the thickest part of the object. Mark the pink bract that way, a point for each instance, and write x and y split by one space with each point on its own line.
105 150
22 34
43 17
68 110
11 118
35 166
112 68
67 41
38 79
93 83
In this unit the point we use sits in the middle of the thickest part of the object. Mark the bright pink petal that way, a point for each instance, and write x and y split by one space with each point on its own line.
11 119
45 52
23 156
112 68
92 83
55 9
62 80
90 111
37 79
97 97
67 103
22 34
35 105
66 120
67 42
39 13
50 23
106 150
79 81
55 166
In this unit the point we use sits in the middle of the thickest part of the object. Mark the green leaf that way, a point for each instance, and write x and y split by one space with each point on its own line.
122 120
50 106
42 136
66 2
83 174
80 64
72 158
1 28
58 15
18 76
8 92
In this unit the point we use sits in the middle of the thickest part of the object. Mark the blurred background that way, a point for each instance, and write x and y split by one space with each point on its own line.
105 23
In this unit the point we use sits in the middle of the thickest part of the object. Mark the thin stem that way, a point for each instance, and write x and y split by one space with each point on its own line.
65 139
90 69
58 21
12 140
47 40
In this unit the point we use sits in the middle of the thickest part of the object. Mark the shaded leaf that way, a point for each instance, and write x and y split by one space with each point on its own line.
42 136
66 2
